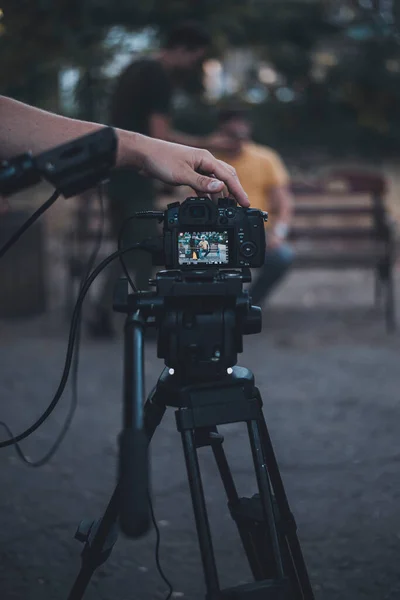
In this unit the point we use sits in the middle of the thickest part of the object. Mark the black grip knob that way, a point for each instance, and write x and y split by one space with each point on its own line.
134 483
253 321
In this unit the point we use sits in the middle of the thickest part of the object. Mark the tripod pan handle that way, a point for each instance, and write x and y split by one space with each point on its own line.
134 483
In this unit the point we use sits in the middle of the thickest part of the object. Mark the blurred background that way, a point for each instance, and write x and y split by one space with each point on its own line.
332 64
320 78
321 82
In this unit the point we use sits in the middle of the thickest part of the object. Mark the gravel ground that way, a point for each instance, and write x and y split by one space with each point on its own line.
330 380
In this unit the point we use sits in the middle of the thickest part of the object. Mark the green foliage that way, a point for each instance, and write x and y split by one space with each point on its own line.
39 37
45 31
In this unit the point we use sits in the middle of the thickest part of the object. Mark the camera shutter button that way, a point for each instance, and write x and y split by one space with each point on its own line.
248 249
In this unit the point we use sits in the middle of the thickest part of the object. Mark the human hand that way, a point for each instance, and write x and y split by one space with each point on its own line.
273 241
176 164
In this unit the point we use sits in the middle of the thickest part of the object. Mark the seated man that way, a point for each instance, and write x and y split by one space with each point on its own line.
266 180
204 246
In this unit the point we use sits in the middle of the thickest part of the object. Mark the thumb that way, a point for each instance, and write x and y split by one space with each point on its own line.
202 183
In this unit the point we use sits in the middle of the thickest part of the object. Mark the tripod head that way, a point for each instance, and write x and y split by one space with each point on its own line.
200 316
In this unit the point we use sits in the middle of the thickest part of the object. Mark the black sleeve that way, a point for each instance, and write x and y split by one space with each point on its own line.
158 89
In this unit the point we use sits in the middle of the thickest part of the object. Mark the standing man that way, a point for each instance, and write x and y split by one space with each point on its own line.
266 180
142 102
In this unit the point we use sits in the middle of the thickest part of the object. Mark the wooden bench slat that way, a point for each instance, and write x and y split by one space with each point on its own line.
299 190
322 233
311 209
337 260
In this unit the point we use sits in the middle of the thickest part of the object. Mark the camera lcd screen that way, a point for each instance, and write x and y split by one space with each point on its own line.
199 248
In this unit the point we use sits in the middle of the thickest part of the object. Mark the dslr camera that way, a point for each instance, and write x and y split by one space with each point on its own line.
201 234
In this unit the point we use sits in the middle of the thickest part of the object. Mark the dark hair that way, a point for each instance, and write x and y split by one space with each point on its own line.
229 113
189 34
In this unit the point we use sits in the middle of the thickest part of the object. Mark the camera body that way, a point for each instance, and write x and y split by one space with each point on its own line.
201 234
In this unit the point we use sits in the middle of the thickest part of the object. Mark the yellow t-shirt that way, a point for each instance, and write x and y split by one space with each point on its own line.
259 170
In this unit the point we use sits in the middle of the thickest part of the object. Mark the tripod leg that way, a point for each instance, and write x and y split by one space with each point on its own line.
99 539
200 513
153 412
298 566
100 536
266 497
246 514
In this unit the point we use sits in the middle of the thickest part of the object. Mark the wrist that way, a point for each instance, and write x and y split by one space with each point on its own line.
131 150
281 230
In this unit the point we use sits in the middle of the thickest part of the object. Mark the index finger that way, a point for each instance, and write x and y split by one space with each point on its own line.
227 174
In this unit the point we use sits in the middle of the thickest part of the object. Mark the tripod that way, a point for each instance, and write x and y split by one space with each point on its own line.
206 394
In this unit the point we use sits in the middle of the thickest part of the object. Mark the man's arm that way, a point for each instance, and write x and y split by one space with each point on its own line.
282 204
282 207
281 199
160 128
24 128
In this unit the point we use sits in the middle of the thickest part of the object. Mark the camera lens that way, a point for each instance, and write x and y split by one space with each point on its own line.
197 212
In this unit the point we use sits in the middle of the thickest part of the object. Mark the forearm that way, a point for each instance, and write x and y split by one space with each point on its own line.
283 205
25 128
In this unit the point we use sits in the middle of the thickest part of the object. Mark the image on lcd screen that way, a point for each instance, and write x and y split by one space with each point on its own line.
203 248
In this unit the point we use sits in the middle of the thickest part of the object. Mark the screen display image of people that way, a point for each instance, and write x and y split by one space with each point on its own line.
203 248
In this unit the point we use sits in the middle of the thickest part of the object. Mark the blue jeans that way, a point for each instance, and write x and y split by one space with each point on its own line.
277 262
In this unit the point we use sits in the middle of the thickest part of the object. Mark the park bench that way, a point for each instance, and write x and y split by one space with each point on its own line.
341 222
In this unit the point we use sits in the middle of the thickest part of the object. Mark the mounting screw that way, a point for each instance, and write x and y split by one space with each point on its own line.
216 356
83 531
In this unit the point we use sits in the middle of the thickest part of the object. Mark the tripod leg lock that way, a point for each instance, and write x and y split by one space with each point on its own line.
249 511
83 531
93 550
261 590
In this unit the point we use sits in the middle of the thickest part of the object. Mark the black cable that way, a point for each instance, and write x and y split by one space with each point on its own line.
15 237
158 535
71 340
73 355
121 258
157 551
89 267
76 347
148 214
